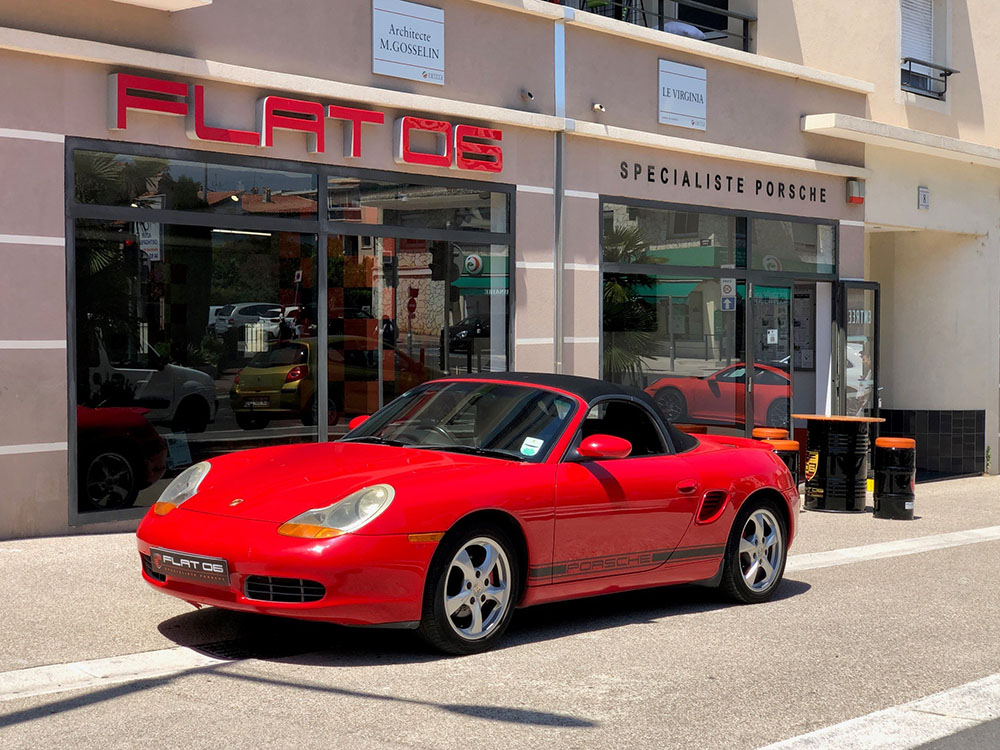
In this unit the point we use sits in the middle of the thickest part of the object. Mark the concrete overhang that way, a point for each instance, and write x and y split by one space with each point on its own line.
881 134
168 5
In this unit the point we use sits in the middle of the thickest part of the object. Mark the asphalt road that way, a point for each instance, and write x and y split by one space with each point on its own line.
666 668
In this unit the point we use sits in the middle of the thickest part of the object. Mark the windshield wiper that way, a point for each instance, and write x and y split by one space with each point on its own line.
473 450
376 439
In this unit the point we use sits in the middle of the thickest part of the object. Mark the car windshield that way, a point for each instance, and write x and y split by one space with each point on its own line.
281 355
517 422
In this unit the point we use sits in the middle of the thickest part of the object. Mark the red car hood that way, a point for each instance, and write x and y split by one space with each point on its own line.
277 484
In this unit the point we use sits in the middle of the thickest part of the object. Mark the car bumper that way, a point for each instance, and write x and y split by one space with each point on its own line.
366 580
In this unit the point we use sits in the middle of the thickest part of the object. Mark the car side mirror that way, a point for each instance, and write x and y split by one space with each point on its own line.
357 422
604 446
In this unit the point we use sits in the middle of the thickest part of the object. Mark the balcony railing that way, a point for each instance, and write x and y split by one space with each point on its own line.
925 78
699 20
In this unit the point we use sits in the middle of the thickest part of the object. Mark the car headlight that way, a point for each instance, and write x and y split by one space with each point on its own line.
349 514
184 486
462 335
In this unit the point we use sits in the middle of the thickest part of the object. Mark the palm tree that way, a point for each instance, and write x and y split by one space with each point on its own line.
629 320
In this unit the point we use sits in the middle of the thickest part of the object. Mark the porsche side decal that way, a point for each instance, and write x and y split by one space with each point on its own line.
622 563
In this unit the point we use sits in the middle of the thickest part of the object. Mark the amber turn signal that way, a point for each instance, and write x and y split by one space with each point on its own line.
308 531
161 509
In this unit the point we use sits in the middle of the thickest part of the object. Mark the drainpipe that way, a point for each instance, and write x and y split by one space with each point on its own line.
559 196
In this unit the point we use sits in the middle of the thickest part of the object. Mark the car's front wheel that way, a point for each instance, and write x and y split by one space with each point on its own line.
755 553
108 480
671 403
471 591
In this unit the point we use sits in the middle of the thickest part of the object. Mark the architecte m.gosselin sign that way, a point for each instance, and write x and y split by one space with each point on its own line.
408 41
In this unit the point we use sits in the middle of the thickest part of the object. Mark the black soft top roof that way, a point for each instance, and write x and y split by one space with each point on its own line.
586 388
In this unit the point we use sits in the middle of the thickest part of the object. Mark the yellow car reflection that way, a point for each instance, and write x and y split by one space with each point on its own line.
281 382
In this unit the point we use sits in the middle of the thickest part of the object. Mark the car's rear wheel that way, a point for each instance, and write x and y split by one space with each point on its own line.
671 403
755 553
310 415
777 413
192 415
471 590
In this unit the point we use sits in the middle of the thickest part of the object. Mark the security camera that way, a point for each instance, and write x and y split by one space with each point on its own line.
527 95
598 107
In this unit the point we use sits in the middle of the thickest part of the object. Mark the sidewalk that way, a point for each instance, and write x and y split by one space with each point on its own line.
69 599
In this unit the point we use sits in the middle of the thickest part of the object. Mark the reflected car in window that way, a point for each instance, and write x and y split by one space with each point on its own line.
462 336
280 383
120 453
720 398
468 497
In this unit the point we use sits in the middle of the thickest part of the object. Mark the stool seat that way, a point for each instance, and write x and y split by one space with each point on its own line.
783 445
773 433
895 442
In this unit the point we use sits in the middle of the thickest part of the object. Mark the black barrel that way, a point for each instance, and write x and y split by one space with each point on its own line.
788 452
836 467
895 474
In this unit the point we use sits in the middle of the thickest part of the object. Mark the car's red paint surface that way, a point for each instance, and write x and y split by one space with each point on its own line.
721 397
587 527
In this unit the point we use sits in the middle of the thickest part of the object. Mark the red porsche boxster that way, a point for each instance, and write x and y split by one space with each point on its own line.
470 496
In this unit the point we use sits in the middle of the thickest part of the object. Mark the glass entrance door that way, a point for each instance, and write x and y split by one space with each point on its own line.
857 383
771 336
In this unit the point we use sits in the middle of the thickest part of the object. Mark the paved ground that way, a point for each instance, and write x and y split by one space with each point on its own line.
669 668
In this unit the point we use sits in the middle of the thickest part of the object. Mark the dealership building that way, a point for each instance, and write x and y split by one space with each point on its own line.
723 206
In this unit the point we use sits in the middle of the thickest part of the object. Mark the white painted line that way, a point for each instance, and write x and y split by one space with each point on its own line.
543 265
535 189
15 450
48 344
814 560
851 223
593 267
911 724
32 135
582 194
31 239
533 342
583 340
24 683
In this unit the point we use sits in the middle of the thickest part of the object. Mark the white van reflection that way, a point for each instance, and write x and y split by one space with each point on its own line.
121 372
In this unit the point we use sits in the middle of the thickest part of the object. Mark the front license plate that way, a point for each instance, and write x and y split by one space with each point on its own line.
258 402
212 570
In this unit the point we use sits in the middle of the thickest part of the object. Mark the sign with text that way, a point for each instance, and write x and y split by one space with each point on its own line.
408 41
682 95
727 294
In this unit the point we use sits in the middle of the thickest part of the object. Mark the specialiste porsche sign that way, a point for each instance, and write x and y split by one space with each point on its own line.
456 145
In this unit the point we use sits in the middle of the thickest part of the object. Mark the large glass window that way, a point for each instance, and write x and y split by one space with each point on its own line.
638 234
185 352
793 246
198 324
173 184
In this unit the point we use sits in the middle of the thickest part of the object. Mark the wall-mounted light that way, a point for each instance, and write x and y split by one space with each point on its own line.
598 107
855 191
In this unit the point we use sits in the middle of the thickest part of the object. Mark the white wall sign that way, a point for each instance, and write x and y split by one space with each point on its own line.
149 239
408 41
923 197
682 96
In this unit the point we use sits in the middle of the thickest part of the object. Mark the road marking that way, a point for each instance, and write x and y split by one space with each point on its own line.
911 724
57 678
814 560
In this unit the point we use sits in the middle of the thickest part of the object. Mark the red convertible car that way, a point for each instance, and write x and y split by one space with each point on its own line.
470 496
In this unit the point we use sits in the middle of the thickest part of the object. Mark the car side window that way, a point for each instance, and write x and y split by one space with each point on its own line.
628 421
733 374
767 377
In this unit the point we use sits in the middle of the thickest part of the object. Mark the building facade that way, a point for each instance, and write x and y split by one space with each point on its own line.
199 194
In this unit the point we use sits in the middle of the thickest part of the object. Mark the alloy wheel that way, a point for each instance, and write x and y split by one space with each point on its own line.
761 550
477 589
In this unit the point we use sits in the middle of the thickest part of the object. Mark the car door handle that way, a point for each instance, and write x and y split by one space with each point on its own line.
687 486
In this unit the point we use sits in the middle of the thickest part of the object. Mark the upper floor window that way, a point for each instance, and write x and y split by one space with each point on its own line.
923 29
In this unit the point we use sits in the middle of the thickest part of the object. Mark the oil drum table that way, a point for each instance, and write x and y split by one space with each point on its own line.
836 468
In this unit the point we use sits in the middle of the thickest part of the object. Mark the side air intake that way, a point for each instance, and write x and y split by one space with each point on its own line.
712 505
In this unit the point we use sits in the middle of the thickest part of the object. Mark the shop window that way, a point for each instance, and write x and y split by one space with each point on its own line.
793 246
110 179
641 235
360 201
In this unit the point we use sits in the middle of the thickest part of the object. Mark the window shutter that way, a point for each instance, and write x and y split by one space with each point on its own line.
918 29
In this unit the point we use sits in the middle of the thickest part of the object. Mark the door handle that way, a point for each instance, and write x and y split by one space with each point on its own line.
687 486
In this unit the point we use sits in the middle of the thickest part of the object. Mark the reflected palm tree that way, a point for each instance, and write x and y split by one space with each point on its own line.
629 320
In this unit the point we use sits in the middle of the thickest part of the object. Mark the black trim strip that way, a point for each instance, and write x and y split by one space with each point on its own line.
623 562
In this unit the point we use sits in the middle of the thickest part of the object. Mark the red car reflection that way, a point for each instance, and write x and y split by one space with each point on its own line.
721 396
120 454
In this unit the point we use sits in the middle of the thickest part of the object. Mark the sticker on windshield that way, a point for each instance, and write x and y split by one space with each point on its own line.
531 446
